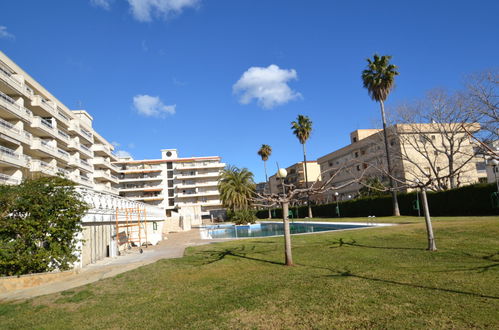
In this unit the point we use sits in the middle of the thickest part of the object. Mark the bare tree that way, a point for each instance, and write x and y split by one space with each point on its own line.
291 194
482 92
433 143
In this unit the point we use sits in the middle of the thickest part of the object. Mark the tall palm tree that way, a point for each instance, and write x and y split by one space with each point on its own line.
265 151
379 80
236 187
302 128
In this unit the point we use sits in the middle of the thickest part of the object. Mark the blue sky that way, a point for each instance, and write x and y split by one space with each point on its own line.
221 77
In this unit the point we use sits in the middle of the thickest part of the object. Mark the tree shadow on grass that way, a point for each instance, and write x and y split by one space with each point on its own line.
340 242
493 257
348 273
218 255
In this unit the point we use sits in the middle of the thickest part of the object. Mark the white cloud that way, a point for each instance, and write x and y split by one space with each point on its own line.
104 4
269 86
123 154
152 106
146 10
4 34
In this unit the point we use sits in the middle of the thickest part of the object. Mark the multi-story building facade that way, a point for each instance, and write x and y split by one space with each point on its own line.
171 182
39 135
417 152
296 176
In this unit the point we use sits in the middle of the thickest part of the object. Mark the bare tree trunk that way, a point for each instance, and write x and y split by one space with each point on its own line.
306 182
429 228
268 184
287 234
396 211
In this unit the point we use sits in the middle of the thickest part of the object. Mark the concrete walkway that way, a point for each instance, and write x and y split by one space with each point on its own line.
173 247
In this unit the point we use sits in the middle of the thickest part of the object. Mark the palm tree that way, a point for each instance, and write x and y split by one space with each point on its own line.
379 80
236 187
265 151
302 128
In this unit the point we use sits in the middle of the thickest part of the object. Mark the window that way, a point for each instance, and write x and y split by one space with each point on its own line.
169 174
170 183
354 139
169 165
356 154
330 164
435 153
480 166
433 137
171 192
392 142
358 167
171 202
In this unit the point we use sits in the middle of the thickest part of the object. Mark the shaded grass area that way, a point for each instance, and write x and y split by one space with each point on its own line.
380 277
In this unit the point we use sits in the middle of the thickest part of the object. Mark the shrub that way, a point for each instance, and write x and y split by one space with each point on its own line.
39 221
242 217
468 200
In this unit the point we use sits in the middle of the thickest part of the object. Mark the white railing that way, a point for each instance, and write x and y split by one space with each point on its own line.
63 134
84 147
19 109
9 126
85 132
47 123
9 152
8 180
63 153
61 114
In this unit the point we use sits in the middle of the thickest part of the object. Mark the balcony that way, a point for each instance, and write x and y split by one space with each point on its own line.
198 165
7 179
86 150
14 86
43 127
45 147
147 198
63 136
63 117
140 170
84 180
63 154
196 176
198 194
131 188
87 134
197 184
85 165
108 189
148 179
100 174
101 149
42 167
39 102
11 109
11 158
9 129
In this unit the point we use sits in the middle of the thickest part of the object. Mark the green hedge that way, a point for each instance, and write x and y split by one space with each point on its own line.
468 200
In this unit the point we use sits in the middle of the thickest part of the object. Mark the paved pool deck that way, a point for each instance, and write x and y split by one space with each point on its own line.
173 247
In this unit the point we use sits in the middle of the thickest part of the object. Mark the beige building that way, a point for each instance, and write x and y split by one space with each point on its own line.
39 135
296 176
179 185
418 151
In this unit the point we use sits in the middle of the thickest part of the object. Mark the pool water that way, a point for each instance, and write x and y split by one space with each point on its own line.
270 229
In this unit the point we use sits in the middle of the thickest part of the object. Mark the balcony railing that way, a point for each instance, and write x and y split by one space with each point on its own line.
19 109
47 123
5 124
46 144
84 147
62 115
63 153
63 134
8 180
9 152
86 133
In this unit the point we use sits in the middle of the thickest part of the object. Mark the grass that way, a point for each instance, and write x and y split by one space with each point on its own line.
370 278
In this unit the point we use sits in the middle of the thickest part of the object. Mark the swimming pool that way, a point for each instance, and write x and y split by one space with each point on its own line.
265 229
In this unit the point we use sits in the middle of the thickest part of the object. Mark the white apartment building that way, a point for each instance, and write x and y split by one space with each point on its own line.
173 183
39 135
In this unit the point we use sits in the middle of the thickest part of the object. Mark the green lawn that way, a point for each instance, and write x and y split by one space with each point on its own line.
369 278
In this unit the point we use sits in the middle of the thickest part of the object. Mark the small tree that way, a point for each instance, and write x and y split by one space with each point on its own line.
264 152
236 187
39 221
302 128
